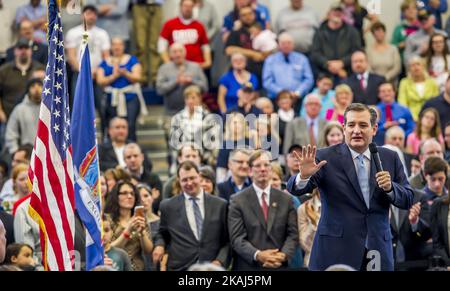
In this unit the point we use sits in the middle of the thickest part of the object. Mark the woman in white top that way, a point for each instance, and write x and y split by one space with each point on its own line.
438 59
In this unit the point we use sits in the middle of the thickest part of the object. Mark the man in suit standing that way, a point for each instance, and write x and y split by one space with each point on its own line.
238 165
354 224
193 225
364 84
262 221
308 129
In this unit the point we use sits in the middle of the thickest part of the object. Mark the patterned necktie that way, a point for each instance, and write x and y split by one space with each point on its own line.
363 179
264 206
361 82
198 217
389 112
312 138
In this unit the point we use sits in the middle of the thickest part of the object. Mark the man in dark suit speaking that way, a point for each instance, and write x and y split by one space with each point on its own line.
262 221
193 226
354 225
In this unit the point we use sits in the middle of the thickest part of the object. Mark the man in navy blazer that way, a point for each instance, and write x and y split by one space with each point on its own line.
354 225
364 84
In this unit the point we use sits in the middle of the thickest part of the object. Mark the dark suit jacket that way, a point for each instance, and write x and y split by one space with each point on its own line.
414 243
108 157
345 221
249 232
408 159
226 189
368 96
40 53
8 222
176 235
152 180
439 228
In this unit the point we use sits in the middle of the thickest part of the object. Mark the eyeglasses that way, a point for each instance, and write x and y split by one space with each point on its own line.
126 193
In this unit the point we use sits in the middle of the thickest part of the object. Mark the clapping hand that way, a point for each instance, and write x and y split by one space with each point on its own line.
307 162
414 213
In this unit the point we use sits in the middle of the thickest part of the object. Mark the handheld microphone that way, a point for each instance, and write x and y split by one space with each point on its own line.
376 156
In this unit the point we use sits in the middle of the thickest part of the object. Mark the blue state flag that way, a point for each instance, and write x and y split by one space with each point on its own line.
85 163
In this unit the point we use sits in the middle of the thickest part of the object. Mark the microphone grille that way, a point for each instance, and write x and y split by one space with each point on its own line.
373 148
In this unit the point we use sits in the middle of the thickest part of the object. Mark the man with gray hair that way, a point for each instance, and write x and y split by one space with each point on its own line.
287 70
175 76
308 129
238 180
395 136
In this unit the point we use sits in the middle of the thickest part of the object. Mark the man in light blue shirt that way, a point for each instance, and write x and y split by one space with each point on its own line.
287 70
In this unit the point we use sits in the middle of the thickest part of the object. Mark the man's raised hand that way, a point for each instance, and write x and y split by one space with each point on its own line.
307 162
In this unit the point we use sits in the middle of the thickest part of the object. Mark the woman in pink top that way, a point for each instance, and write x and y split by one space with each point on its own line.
428 126
344 97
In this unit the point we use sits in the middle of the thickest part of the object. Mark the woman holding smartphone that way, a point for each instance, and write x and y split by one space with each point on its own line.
130 229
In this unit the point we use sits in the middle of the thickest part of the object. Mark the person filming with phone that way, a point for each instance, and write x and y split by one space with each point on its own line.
356 191
130 229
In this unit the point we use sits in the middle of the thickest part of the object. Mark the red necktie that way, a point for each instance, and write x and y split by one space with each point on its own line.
389 112
264 206
361 82
312 138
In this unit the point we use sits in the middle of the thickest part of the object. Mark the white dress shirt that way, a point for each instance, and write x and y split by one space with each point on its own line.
259 192
119 154
190 210
365 75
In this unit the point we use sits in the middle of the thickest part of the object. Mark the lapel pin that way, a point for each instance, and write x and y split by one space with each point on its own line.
274 204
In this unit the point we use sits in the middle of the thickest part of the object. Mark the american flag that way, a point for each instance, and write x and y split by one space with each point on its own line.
51 169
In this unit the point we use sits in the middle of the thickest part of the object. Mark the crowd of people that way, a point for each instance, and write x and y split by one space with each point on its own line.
234 137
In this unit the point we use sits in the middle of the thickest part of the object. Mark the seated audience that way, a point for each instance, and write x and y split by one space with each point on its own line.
391 112
175 76
417 88
428 126
384 58
233 80
344 97
120 75
308 129
363 83
287 70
